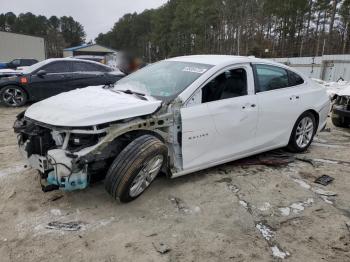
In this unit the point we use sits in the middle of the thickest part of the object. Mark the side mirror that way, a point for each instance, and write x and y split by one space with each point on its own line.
41 73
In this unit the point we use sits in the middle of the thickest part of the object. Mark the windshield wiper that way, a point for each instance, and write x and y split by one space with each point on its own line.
130 92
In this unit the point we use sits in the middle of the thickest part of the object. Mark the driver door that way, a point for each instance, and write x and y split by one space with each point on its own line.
219 121
54 82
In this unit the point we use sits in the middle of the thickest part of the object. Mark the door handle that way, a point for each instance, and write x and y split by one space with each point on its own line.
294 97
247 105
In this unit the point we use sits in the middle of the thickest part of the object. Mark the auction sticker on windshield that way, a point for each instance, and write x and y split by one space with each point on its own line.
194 70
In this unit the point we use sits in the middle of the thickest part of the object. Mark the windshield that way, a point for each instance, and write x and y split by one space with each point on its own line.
163 80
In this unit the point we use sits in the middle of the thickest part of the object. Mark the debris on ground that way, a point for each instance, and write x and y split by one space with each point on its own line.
56 212
161 247
233 188
179 204
322 192
324 180
348 226
12 194
276 252
285 211
68 226
265 230
265 207
273 158
306 160
55 198
325 199
302 183
182 206
296 208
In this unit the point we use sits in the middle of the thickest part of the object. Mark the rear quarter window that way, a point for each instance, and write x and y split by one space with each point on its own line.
295 79
88 67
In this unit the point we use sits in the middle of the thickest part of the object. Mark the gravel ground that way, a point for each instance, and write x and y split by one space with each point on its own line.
234 212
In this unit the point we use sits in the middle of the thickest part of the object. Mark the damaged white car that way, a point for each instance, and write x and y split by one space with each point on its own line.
177 116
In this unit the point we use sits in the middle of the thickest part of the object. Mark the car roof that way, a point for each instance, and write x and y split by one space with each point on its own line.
220 59
75 60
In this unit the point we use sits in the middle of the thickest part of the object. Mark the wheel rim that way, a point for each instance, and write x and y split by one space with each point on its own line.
146 175
13 96
304 132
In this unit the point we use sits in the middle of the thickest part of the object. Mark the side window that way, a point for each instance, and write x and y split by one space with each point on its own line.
231 83
103 69
85 67
56 67
271 78
295 79
16 62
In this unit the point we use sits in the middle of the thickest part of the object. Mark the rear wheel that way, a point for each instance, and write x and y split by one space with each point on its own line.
135 168
13 96
303 133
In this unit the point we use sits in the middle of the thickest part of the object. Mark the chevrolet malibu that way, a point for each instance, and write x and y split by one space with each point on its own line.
176 116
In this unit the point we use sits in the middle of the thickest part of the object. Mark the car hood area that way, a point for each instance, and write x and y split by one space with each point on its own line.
90 106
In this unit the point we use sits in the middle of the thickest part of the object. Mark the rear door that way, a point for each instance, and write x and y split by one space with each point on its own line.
222 124
53 82
279 99
88 74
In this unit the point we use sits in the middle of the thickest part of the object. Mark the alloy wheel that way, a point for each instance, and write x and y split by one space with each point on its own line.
146 175
304 132
13 96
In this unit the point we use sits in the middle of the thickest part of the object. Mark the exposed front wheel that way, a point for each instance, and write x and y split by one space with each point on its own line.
13 96
135 168
303 133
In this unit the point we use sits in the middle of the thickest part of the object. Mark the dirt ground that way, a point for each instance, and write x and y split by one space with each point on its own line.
234 212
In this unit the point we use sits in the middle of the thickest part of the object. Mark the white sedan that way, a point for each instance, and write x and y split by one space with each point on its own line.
178 116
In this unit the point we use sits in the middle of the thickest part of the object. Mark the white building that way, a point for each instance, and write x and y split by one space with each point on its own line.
328 67
14 46
88 49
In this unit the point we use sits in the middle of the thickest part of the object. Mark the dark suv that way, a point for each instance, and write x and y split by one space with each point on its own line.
54 76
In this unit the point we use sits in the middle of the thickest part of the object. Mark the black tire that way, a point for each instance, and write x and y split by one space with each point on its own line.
13 96
293 145
129 163
339 121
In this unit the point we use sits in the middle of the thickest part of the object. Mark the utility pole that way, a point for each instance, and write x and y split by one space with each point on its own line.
238 40
324 46
149 51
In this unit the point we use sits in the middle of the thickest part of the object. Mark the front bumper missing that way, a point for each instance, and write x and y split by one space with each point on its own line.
57 170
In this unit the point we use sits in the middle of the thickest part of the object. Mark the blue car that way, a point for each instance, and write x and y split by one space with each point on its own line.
17 63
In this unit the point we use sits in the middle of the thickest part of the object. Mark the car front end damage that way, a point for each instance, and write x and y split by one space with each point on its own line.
341 111
69 158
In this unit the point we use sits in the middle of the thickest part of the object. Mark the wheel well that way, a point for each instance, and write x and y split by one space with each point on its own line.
104 159
119 143
315 114
1 88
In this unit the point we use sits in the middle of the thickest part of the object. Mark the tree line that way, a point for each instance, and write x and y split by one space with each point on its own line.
58 32
264 28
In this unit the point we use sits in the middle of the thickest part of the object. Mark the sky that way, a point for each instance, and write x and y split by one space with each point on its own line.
97 16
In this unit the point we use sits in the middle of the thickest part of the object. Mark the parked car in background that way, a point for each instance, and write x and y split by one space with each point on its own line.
100 59
54 76
341 108
8 72
180 115
18 63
